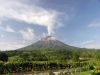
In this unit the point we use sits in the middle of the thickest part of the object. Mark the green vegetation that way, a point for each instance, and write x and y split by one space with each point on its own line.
84 73
3 57
76 61
51 73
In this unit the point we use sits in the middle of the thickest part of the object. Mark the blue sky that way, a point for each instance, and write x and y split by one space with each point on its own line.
75 22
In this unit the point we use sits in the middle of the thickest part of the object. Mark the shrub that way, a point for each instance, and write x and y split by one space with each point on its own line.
85 68
91 67
51 73
97 73
3 57
61 73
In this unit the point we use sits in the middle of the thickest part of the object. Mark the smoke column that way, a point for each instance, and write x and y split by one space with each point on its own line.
33 14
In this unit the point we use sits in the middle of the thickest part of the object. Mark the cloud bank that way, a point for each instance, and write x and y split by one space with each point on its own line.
90 44
11 45
95 24
27 34
7 29
31 14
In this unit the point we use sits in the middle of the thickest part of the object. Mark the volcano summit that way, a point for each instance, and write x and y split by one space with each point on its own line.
48 42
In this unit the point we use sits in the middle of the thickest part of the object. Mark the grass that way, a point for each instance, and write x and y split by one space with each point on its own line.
84 73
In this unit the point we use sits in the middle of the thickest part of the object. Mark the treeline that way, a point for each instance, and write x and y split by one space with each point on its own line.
47 55
13 67
45 59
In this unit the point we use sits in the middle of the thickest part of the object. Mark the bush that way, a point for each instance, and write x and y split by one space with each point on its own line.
3 57
61 73
92 68
51 73
97 73
11 67
85 68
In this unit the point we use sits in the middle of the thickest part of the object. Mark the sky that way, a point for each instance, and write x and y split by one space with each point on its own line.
74 22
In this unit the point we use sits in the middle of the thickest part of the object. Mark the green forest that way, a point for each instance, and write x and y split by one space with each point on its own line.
75 60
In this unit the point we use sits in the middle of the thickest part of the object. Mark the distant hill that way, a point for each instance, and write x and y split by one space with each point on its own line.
48 42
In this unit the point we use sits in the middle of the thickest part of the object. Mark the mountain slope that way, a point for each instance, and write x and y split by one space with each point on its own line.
48 42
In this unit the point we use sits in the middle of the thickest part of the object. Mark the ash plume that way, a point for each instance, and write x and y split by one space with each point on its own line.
33 14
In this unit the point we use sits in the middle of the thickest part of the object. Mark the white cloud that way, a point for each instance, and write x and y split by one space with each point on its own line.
94 24
11 45
91 44
1 36
31 14
7 29
87 42
18 10
27 34
0 22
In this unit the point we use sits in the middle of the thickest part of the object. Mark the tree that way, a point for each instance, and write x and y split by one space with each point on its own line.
76 56
51 73
3 57
25 56
98 56
16 59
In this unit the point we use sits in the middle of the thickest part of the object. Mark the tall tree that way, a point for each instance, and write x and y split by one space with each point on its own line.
3 57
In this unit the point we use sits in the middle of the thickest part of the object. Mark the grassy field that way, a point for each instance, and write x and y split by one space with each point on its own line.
84 73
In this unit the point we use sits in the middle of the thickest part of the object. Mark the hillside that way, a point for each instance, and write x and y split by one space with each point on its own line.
48 42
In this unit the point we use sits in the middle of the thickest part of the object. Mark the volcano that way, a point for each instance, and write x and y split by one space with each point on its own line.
48 42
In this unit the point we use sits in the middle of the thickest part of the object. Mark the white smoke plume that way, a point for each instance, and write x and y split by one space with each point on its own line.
32 14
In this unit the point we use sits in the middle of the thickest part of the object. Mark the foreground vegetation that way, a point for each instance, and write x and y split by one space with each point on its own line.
75 61
84 73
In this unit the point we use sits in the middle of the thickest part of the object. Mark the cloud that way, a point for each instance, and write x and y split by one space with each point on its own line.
11 45
90 44
0 22
87 42
94 24
1 36
31 14
27 34
7 29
